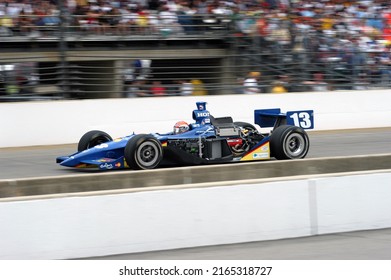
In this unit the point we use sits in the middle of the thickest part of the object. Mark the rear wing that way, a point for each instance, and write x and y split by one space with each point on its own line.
274 118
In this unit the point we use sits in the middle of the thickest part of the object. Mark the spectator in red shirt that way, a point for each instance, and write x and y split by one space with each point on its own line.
157 89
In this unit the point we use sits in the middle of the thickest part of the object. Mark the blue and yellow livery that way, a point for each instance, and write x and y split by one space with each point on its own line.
208 140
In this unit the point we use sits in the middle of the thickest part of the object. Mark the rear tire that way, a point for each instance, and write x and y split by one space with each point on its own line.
143 151
245 125
289 142
93 138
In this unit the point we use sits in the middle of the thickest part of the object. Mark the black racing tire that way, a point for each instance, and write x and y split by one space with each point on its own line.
289 142
93 138
143 151
246 125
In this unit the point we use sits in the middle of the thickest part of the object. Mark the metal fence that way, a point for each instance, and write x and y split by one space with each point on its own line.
293 60
124 77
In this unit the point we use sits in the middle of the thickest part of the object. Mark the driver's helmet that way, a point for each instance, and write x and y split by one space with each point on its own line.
181 127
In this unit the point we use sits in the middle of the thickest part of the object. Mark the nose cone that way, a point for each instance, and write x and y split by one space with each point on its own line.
61 159
70 161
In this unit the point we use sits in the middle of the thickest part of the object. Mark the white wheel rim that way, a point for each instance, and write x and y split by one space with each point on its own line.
295 145
147 154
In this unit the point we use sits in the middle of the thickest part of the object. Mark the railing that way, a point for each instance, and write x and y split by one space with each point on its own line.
79 26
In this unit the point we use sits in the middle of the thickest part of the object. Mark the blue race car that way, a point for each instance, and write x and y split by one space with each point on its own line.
207 140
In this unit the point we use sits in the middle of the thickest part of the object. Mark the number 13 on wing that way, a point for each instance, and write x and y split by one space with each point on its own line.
303 119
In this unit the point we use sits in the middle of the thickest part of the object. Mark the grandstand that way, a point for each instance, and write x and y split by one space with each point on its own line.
92 49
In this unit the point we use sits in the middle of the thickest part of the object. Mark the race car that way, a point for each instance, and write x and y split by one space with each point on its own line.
206 141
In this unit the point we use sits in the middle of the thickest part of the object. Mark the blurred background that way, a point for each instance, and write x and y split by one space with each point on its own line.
84 49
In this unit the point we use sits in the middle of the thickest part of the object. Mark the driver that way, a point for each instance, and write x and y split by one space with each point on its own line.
181 127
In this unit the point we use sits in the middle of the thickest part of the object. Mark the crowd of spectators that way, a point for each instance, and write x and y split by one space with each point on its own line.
348 38
275 19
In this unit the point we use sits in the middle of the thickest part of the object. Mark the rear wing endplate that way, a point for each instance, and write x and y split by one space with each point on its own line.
274 118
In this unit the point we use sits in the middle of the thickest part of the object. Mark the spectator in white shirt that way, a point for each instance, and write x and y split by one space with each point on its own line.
250 84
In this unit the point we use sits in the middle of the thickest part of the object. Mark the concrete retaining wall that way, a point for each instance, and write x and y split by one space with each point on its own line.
61 122
76 226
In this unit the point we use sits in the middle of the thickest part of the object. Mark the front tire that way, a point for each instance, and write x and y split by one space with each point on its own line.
143 151
289 142
93 138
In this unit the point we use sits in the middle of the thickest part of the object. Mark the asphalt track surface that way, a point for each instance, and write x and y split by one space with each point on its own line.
363 245
39 161
359 245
